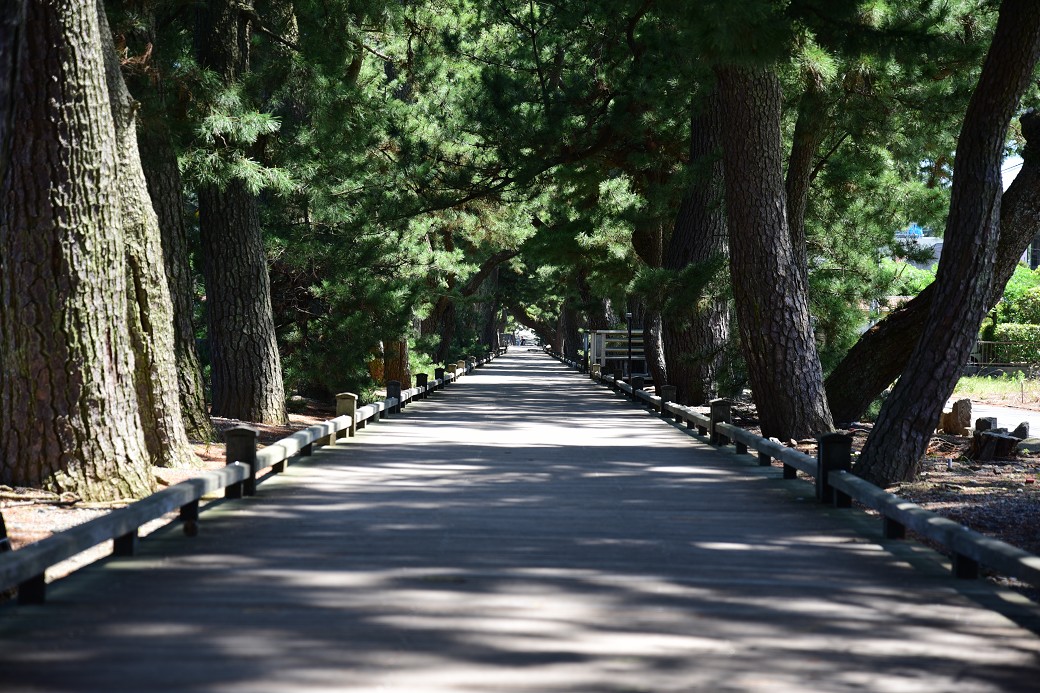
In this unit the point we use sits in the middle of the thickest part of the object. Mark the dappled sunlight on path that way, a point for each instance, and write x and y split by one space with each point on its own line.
523 530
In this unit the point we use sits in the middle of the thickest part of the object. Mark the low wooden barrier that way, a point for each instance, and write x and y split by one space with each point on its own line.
24 569
836 485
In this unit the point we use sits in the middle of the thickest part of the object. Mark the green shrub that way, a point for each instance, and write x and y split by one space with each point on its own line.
1025 308
1025 347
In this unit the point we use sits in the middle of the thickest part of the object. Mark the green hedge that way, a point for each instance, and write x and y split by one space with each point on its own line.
1025 347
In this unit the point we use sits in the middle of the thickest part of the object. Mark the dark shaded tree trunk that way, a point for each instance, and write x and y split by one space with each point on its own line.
965 277
150 309
809 132
12 33
67 394
246 366
598 315
694 342
571 335
441 320
769 289
166 188
648 242
489 312
881 354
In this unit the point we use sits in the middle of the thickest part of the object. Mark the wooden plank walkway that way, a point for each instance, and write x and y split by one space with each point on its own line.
524 530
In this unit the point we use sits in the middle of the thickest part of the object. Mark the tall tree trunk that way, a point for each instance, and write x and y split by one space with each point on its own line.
67 394
648 242
882 352
490 310
150 309
966 269
247 372
694 342
769 289
809 131
571 335
166 188
12 33
395 360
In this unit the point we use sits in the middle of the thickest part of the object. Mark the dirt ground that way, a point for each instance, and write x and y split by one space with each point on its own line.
1000 499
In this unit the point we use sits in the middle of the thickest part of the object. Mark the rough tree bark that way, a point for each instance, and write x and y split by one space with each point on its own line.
150 309
966 269
164 183
166 188
694 342
67 393
246 370
12 23
246 366
880 355
648 242
769 290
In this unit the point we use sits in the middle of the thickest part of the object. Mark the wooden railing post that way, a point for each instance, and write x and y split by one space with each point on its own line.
346 405
422 381
595 370
240 446
451 369
638 383
460 368
721 412
438 374
393 389
668 393
834 454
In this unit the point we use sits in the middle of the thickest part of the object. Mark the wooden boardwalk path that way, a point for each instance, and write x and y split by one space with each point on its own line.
524 530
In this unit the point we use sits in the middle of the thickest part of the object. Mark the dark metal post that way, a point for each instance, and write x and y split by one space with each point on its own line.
628 322
834 454
422 380
240 446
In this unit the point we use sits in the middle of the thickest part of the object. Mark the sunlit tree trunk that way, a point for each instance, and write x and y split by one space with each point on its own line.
67 395
151 312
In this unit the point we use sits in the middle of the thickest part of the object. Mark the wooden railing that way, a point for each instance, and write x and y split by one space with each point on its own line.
24 569
836 485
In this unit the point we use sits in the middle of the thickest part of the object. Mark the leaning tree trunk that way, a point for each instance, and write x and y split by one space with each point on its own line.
246 370
67 394
246 367
965 277
695 341
166 188
150 309
769 289
881 354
